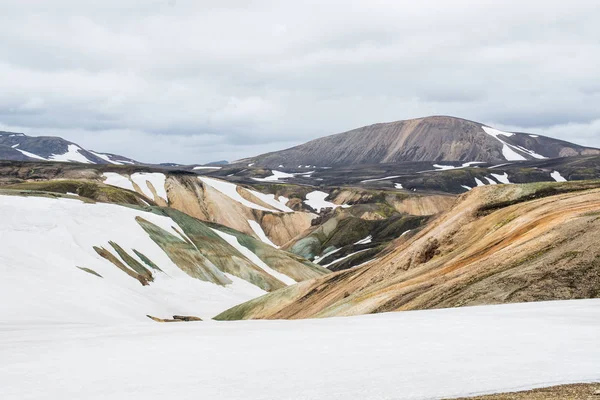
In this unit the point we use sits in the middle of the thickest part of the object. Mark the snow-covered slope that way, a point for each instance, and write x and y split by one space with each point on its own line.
407 355
48 148
66 261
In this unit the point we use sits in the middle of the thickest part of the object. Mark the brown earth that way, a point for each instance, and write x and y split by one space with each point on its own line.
579 391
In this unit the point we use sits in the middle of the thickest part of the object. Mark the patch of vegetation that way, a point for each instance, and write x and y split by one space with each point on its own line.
90 271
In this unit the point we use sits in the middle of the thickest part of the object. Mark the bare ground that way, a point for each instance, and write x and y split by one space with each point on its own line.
579 391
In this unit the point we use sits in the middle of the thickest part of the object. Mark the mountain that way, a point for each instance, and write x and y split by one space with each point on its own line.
498 244
437 138
20 147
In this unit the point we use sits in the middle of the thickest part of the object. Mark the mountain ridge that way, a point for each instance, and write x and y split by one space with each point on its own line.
434 138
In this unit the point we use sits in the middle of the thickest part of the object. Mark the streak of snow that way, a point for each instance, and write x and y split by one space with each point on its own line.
30 155
366 240
502 178
507 151
381 179
230 190
319 259
443 167
491 181
398 186
205 167
344 258
479 183
256 228
72 154
270 200
233 241
467 187
157 180
277 175
105 157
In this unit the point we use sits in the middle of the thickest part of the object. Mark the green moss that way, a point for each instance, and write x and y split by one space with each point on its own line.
147 261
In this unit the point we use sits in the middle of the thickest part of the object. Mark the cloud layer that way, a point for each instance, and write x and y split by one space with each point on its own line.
190 81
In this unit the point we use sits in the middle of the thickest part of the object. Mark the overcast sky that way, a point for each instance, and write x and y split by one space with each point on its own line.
194 81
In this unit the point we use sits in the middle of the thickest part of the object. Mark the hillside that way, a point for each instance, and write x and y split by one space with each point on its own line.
498 244
118 263
20 147
438 138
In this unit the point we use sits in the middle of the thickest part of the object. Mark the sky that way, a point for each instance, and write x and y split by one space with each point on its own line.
194 81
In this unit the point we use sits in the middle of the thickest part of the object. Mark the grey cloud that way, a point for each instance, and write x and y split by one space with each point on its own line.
237 78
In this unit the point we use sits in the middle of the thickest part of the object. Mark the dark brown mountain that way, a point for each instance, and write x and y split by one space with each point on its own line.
438 138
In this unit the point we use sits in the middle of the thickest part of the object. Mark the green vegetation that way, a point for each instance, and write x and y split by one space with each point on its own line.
90 271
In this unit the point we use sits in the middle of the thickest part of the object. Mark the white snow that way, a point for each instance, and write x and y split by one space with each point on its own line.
343 258
230 190
491 181
557 177
318 259
206 167
270 200
72 154
46 287
398 186
443 167
157 180
316 200
366 240
415 355
532 153
479 183
256 228
385 178
105 157
470 163
118 180
31 155
467 187
534 136
502 178
14 146
232 240
277 175
251 164
507 150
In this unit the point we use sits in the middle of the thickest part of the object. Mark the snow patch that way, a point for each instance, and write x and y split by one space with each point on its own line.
502 178
258 230
385 178
557 177
277 175
118 180
316 200
230 190
270 200
366 240
234 242
205 167
507 151
157 180
72 155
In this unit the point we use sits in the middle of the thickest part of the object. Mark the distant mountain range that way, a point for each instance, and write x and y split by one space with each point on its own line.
20 147
437 138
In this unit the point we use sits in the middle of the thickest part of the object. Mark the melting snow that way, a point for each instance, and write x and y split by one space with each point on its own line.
316 200
230 190
467 187
277 175
491 181
256 228
270 200
345 257
118 180
398 186
502 178
233 241
443 167
557 177
105 157
72 154
381 179
30 155
157 180
318 259
507 150
366 240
